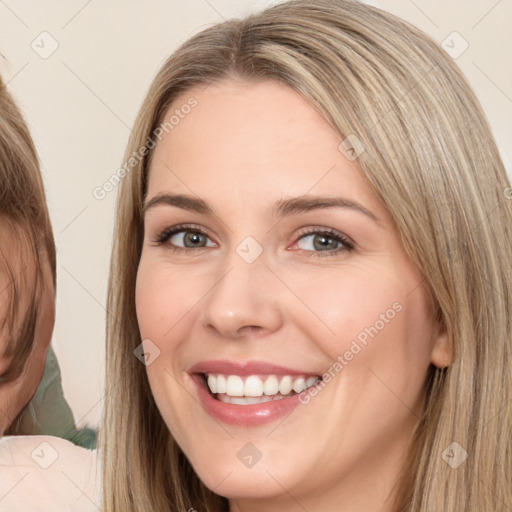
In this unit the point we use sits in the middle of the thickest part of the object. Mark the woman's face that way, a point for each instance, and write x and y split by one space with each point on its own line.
265 289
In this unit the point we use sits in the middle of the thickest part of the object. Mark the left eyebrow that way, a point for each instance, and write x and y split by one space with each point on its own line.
282 207
300 204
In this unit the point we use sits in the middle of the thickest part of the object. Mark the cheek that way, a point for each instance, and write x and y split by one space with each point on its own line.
366 320
379 351
162 299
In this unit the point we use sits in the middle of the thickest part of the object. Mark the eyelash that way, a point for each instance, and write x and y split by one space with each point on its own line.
167 233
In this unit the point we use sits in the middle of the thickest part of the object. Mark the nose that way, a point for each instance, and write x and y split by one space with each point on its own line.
244 301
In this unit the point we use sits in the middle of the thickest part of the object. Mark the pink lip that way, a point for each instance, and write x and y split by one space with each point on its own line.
245 368
243 415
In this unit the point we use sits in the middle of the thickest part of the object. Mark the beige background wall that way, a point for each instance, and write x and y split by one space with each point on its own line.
80 69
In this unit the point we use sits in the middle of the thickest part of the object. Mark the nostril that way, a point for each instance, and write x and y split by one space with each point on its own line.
248 330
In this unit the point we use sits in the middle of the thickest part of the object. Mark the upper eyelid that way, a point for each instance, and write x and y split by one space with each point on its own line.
187 227
174 230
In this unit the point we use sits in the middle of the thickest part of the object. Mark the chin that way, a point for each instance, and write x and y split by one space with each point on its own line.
240 483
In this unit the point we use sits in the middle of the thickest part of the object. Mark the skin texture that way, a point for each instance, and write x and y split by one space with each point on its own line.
15 395
245 146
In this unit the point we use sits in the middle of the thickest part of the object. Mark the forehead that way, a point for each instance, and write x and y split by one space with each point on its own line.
252 141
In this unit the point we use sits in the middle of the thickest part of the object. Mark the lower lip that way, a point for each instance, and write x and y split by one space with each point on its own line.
244 415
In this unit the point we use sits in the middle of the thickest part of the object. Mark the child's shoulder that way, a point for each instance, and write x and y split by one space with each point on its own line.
47 473
44 450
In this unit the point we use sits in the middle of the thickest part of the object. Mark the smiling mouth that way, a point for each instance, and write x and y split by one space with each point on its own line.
256 389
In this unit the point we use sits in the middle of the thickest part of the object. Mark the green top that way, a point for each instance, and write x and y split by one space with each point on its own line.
48 413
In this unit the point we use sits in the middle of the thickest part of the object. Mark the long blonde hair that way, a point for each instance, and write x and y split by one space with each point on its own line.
432 161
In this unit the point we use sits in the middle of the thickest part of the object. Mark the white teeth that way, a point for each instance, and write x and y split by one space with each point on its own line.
253 386
286 385
234 386
311 381
271 386
257 388
246 400
212 383
299 385
221 383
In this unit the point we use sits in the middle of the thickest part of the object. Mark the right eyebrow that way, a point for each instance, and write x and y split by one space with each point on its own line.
183 201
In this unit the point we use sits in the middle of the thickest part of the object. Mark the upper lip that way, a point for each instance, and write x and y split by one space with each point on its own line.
245 368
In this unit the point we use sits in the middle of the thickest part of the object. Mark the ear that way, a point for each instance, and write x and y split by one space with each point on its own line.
442 350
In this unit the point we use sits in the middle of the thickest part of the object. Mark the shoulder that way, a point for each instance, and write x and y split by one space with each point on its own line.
47 473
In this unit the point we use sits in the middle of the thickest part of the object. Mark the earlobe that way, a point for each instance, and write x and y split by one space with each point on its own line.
442 350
